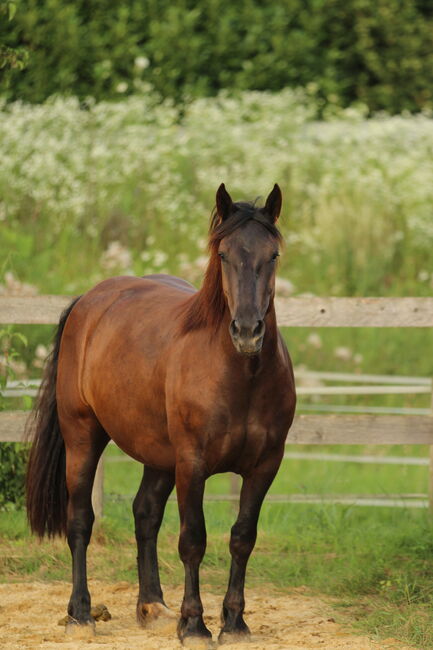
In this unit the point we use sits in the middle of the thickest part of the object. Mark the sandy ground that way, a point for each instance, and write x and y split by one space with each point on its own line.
29 615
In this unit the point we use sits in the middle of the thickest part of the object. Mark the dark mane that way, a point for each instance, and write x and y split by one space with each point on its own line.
206 307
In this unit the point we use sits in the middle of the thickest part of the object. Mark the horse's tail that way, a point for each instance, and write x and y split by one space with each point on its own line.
46 493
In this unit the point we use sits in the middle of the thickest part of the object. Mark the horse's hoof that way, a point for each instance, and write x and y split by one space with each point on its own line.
100 613
156 617
225 638
80 630
193 633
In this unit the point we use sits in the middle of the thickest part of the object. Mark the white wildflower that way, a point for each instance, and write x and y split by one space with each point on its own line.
423 276
343 353
116 257
41 354
41 351
141 62
284 287
314 340
13 287
160 258
16 367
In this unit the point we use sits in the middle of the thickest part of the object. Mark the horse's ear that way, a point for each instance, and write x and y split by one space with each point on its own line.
224 203
273 203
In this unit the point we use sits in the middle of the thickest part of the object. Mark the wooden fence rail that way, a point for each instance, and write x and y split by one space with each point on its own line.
364 429
291 312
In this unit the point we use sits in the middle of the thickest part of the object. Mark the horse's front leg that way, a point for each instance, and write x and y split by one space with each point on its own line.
190 482
242 541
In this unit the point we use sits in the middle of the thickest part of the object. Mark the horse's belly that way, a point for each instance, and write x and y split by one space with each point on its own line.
138 429
153 451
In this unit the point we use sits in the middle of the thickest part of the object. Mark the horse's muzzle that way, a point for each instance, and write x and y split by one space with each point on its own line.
247 339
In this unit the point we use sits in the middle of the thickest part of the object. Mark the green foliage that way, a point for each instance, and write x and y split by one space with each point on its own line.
13 456
10 57
379 53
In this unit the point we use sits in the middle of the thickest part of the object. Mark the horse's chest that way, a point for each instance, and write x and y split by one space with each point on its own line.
238 438
231 422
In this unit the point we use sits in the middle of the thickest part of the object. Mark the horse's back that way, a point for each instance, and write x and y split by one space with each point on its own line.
163 291
170 281
124 308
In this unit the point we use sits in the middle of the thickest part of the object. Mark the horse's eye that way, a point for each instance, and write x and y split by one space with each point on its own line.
223 257
274 257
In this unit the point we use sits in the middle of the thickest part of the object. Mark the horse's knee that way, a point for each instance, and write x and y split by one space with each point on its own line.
192 544
79 527
146 527
147 517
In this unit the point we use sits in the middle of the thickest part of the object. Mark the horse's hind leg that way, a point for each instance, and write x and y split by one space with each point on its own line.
148 507
85 441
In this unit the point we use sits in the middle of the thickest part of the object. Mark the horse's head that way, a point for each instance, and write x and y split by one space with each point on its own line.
248 248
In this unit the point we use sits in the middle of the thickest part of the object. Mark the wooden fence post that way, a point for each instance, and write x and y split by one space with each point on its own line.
430 476
98 490
235 486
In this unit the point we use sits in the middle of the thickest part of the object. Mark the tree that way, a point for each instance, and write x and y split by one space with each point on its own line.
11 57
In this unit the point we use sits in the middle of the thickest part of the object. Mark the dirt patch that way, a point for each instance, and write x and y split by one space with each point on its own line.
29 613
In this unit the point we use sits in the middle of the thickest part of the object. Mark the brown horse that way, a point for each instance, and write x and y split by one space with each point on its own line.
189 383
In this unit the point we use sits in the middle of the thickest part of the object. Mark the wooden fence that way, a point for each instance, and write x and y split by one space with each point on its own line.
364 429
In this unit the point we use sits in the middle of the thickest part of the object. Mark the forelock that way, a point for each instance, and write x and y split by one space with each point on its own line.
244 212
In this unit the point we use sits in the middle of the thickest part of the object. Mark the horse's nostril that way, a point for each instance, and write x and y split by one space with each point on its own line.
234 328
259 329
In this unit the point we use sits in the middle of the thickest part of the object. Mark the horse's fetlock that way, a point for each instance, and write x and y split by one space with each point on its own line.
191 608
233 604
79 607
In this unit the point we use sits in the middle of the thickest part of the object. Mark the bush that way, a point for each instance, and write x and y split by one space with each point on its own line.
13 459
13 456
379 53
